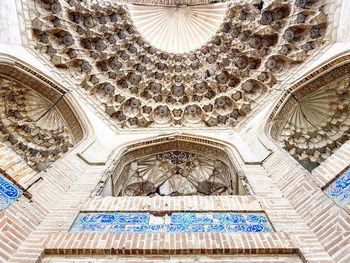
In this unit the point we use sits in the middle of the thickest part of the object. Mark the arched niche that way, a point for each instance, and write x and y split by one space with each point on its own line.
173 166
312 119
37 118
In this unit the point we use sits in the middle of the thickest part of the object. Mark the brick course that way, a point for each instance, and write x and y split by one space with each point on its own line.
329 222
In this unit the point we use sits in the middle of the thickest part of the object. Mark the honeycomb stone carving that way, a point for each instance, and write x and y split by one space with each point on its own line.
177 173
174 165
32 121
97 44
315 121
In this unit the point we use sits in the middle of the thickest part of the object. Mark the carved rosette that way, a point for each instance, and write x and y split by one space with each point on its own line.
176 29
138 85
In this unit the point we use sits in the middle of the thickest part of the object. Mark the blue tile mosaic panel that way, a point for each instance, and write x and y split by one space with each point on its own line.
339 190
181 222
8 193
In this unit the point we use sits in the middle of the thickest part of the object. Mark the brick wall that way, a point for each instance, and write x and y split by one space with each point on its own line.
329 222
15 166
56 193
65 189
20 218
256 258
292 235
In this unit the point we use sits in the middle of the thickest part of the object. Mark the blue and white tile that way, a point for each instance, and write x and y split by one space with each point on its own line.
217 228
8 193
179 222
339 190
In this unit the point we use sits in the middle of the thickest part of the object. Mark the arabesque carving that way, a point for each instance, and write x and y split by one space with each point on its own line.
176 173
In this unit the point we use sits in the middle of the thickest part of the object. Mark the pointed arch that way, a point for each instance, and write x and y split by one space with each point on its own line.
38 118
177 164
312 119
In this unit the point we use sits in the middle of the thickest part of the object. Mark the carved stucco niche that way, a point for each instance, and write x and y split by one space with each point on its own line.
173 166
97 45
313 119
36 118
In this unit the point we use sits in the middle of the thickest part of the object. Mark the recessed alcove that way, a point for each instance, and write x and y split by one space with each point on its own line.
175 166
98 141
312 120
37 117
176 64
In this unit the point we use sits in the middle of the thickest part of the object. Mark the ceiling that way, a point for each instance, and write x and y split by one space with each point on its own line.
142 79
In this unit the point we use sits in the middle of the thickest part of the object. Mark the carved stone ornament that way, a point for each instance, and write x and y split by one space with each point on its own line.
315 119
35 120
176 29
174 166
103 47
177 173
